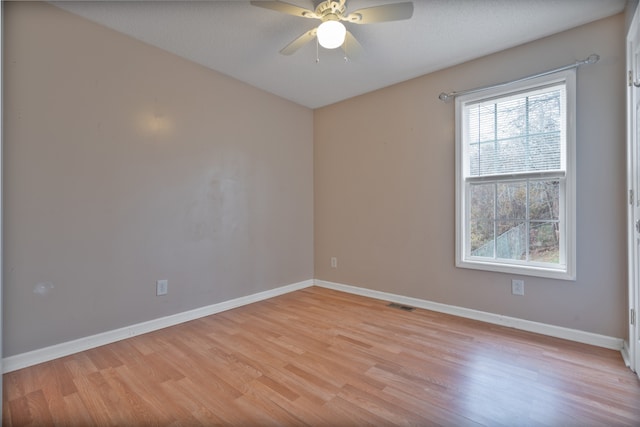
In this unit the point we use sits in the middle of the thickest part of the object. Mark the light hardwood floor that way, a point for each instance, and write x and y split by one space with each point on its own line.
325 358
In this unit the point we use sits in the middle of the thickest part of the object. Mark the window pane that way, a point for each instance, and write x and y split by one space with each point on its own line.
544 200
481 238
544 244
521 133
486 123
481 213
512 200
511 240
512 156
544 112
487 161
474 159
511 118
544 152
472 131
482 198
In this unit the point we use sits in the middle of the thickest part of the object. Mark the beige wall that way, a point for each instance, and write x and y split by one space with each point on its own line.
125 164
384 188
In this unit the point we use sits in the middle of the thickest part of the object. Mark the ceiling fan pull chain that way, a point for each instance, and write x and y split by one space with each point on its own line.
346 51
317 52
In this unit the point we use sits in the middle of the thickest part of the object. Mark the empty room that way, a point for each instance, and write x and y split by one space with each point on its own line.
325 213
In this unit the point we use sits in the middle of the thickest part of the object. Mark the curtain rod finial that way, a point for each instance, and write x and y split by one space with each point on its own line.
444 97
593 58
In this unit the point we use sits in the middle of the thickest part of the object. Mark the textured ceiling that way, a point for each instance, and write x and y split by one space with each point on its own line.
242 41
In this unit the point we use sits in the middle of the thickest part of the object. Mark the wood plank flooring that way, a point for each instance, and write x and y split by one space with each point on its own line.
325 358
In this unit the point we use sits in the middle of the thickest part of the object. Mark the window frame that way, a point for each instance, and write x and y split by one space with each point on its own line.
567 214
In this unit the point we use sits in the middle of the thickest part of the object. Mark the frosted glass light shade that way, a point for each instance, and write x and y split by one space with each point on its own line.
331 34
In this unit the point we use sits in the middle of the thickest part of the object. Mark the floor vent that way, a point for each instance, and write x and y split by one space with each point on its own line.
401 307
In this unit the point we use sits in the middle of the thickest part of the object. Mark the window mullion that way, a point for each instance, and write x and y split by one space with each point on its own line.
479 142
495 185
527 221
495 220
527 140
527 218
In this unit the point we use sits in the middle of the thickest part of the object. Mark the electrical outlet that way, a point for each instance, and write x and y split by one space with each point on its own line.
162 287
334 262
517 287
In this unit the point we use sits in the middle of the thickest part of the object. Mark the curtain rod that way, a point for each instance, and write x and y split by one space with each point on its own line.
591 59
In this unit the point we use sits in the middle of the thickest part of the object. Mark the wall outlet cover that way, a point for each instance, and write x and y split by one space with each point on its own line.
517 287
162 287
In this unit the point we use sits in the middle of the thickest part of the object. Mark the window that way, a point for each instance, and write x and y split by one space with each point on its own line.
515 178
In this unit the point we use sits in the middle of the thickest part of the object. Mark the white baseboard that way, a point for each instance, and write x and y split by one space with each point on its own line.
626 354
525 325
19 361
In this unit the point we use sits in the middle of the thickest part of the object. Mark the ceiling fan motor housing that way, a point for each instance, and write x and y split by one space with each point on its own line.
331 10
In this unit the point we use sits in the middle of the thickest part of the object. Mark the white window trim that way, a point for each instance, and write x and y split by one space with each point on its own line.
568 270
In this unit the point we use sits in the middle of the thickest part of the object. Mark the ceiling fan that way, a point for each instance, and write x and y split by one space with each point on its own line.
331 32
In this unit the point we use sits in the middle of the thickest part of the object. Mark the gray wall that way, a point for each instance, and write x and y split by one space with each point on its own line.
125 164
384 188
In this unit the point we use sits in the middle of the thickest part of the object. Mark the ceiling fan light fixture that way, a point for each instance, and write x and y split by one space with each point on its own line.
331 34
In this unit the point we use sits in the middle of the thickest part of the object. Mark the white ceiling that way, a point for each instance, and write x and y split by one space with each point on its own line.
242 41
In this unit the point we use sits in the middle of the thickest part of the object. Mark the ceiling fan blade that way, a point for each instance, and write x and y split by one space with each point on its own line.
387 12
305 38
351 47
283 7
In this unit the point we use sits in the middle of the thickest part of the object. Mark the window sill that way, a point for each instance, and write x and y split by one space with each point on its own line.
520 270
